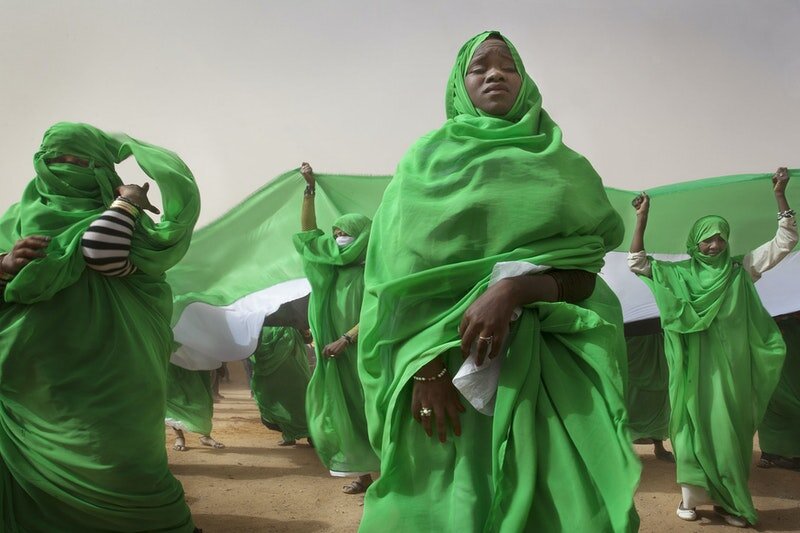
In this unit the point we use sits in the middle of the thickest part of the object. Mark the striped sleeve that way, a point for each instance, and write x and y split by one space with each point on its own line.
106 244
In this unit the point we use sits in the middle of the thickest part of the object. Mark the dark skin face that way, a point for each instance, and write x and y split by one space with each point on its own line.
492 80
712 246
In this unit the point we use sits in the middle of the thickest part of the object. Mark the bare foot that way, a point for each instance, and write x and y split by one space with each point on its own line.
206 440
291 442
180 445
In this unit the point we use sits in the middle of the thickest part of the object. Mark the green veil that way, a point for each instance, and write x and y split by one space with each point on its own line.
724 354
479 191
83 357
334 400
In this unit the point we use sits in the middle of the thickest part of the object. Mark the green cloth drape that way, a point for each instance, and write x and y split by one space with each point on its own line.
335 400
725 355
280 379
190 402
779 432
556 455
83 357
648 385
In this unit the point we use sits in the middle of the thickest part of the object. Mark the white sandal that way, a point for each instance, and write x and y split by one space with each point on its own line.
690 515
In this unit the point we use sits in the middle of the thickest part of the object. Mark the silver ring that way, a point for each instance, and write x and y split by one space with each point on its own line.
425 411
486 339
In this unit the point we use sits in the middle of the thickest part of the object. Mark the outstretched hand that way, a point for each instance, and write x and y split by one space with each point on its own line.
308 174
780 180
335 348
24 251
138 195
642 205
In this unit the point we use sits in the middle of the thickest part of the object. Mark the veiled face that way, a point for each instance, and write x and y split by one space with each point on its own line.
712 246
492 80
339 233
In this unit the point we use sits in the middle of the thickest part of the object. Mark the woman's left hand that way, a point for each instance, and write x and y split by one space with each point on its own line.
138 195
488 320
335 348
780 180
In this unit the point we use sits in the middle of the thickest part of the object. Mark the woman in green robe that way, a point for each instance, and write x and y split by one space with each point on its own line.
84 351
647 397
190 406
279 382
724 353
779 433
488 218
334 266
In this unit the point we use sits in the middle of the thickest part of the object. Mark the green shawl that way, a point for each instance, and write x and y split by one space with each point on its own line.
335 401
190 401
478 191
725 354
83 357
280 379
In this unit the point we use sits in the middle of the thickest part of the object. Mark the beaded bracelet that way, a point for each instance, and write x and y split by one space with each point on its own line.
348 338
310 191
786 214
438 376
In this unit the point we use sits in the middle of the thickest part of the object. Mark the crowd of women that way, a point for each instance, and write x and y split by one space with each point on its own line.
466 348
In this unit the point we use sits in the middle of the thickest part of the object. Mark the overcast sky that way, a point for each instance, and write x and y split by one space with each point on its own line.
651 92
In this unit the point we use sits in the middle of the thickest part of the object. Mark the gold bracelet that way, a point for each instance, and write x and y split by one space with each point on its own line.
437 377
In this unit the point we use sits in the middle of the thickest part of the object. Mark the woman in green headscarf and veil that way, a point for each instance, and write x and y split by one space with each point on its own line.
334 266
724 353
85 338
486 246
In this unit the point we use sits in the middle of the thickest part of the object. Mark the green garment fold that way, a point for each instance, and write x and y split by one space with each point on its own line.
779 432
190 402
83 357
556 455
648 387
335 399
280 379
724 355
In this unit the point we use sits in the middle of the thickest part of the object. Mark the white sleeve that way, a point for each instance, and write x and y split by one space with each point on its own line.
770 254
639 264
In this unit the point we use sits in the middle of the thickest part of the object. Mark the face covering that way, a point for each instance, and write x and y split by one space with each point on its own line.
344 240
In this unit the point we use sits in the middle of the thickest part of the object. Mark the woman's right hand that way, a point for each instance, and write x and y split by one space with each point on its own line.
24 251
642 205
440 398
308 174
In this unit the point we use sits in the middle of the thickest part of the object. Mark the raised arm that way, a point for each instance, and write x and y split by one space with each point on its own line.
308 217
638 262
642 205
770 254
106 243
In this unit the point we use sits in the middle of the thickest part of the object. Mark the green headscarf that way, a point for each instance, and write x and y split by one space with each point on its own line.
63 199
478 191
83 357
690 293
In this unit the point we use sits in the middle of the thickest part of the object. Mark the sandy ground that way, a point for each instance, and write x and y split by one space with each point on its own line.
253 485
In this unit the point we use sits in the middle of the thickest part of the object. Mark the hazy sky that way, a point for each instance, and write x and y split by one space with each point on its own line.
651 92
